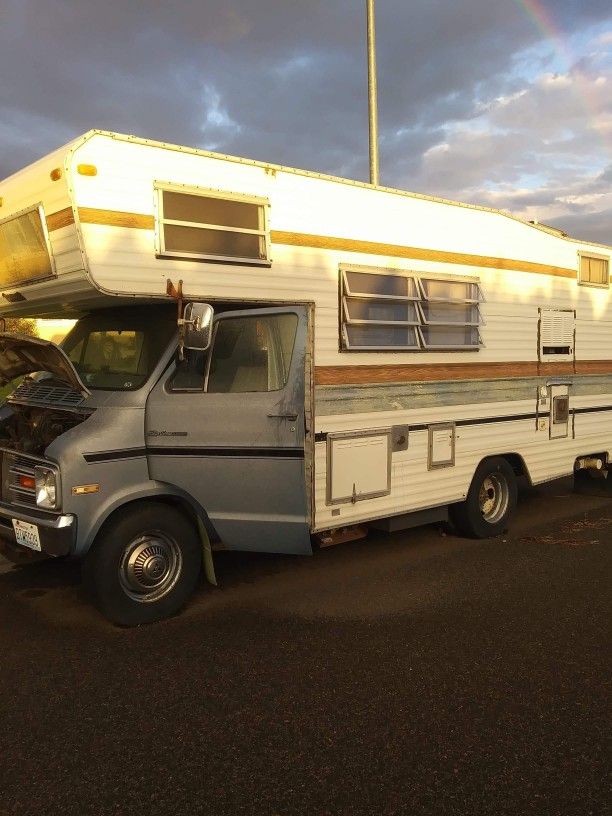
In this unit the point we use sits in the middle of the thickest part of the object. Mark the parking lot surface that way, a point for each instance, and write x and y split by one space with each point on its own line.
418 673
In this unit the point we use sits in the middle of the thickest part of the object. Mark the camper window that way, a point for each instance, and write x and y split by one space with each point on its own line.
594 270
25 254
209 226
391 311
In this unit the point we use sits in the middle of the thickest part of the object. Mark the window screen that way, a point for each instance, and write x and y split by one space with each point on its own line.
594 270
213 227
385 311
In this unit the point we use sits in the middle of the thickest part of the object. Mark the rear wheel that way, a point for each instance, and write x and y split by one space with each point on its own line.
489 502
144 566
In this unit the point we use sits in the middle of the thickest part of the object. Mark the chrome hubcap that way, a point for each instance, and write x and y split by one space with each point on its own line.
150 567
493 498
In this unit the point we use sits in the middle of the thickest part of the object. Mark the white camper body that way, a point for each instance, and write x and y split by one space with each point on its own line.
440 334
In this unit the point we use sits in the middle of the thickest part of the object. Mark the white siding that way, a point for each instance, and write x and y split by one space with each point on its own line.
414 487
122 260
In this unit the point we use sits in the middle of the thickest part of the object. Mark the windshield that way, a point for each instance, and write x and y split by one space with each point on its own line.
118 350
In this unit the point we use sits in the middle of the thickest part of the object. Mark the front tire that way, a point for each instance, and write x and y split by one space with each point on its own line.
144 565
489 502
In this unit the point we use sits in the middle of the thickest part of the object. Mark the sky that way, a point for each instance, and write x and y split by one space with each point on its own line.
503 103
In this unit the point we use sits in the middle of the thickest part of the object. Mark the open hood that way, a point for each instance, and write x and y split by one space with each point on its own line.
20 355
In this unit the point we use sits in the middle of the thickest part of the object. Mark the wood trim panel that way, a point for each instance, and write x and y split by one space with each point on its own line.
371 374
59 219
114 218
417 253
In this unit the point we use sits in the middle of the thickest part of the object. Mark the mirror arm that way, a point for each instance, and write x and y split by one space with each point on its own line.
177 294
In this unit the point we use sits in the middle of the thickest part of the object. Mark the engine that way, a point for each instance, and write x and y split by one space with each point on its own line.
32 429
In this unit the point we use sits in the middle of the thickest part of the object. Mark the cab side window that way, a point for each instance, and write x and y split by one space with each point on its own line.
252 353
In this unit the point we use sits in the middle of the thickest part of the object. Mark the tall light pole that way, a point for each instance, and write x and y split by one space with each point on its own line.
372 93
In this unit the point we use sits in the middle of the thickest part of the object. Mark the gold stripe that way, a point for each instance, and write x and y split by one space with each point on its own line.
113 218
62 218
108 218
365 374
417 253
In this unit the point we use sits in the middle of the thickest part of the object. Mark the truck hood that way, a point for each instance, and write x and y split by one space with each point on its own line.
20 355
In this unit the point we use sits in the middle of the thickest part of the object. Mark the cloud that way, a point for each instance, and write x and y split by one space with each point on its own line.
20 136
472 102
540 152
595 226
217 125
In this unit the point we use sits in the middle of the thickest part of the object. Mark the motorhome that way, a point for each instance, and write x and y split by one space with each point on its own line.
263 357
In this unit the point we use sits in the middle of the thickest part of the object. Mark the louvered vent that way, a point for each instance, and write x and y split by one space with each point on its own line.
44 394
557 331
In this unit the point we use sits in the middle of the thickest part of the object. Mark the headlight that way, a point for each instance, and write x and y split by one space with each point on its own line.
46 488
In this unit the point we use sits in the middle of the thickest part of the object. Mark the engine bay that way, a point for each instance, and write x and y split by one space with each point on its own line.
31 429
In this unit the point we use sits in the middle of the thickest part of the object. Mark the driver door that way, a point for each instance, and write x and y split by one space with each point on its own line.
228 428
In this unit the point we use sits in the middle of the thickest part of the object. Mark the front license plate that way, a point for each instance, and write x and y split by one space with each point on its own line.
26 534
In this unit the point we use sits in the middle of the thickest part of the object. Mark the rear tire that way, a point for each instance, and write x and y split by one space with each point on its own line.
144 565
489 502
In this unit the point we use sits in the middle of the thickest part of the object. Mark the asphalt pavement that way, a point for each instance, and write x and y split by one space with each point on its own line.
417 673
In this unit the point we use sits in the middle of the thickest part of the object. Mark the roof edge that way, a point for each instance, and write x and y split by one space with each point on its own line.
75 144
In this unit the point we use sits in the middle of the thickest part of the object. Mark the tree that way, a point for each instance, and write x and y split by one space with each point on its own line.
22 325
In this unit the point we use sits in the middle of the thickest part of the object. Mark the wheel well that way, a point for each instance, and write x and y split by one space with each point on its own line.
516 462
172 501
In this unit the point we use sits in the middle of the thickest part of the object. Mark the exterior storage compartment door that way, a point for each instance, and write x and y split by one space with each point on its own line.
228 428
559 411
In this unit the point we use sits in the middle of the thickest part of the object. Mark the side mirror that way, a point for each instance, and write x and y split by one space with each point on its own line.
196 326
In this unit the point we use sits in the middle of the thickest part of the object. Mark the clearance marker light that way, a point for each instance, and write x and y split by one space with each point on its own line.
82 490
56 174
87 169
27 482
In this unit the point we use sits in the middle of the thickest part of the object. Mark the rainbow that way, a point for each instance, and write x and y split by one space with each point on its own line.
543 20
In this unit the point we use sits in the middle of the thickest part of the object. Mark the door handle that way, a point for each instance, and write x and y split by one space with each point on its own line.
290 417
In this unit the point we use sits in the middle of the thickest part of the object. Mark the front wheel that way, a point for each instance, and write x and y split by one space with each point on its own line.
489 502
144 565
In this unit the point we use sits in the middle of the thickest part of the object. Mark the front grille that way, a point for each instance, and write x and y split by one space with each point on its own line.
47 395
15 465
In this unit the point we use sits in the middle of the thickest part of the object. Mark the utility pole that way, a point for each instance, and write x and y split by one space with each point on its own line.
372 93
